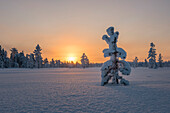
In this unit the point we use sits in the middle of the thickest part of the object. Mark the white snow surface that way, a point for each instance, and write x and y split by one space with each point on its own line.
73 90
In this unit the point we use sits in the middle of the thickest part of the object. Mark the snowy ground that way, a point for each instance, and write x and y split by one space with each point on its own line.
79 90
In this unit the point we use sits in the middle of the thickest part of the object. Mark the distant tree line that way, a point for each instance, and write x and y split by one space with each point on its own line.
145 64
152 63
35 60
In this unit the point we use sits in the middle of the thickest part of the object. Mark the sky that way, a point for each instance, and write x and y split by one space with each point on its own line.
69 28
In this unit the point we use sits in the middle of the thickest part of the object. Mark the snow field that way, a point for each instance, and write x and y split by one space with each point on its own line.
58 90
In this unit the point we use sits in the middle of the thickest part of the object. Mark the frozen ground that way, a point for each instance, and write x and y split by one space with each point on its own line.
79 90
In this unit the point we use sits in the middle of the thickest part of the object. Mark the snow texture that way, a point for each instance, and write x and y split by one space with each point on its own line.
58 90
121 53
125 69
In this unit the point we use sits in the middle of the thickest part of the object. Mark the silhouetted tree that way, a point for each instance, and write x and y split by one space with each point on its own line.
84 60
52 63
152 56
38 58
14 57
135 62
160 61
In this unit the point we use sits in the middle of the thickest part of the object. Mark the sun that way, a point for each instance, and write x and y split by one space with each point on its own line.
71 59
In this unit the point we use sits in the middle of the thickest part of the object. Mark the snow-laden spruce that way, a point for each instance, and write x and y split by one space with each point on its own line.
146 63
84 60
152 56
160 61
52 63
135 62
38 58
111 67
4 60
14 57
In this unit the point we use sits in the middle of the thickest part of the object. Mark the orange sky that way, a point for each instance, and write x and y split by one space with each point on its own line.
67 28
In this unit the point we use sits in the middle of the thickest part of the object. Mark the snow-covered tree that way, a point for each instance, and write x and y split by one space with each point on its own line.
57 63
14 58
1 57
46 64
146 63
52 63
111 67
84 60
31 61
38 58
152 56
22 61
27 65
135 62
78 65
160 61
4 60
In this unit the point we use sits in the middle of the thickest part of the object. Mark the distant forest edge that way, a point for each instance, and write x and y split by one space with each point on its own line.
35 60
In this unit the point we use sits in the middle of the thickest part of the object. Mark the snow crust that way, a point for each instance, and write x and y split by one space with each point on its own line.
78 91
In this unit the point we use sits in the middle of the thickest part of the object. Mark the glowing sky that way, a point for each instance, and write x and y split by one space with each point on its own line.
69 28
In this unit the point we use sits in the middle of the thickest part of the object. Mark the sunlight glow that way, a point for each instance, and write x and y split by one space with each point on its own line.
71 59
